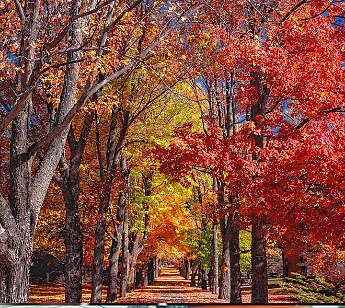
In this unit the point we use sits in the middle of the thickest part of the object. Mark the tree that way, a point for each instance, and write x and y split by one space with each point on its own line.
67 39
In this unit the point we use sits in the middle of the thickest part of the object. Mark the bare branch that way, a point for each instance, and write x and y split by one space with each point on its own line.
57 180
295 8
111 235
20 10
21 99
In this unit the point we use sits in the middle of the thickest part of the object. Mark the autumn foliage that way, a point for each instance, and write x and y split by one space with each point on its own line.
128 128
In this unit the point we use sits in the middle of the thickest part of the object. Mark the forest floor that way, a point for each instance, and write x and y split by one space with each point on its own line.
169 287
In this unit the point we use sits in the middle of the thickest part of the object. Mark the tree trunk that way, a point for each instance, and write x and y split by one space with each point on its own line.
73 240
120 227
156 269
124 269
259 265
215 266
98 258
199 277
73 235
183 268
113 269
235 252
144 279
193 277
14 265
224 285
137 247
259 260
204 278
187 276
14 280
151 270
135 251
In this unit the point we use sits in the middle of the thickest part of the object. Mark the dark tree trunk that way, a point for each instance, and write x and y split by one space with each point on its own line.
121 232
17 221
187 276
209 278
204 276
113 269
14 275
259 265
259 260
215 266
183 267
235 252
98 258
151 271
125 254
224 285
73 235
73 240
144 279
199 277
193 277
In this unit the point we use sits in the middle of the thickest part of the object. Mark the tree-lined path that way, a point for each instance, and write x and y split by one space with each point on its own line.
206 133
170 287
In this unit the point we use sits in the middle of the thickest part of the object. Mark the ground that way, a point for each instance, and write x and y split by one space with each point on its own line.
169 287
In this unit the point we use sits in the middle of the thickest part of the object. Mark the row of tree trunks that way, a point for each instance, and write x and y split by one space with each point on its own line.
146 274
114 145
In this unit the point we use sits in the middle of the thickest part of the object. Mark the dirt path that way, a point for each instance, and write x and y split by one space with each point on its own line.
170 287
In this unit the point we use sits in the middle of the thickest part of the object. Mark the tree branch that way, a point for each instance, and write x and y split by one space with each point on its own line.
287 15
20 10
15 110
7 221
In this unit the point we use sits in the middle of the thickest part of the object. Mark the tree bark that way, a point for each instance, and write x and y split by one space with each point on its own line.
215 266
73 235
187 276
156 269
125 253
73 240
113 269
144 279
98 259
121 232
259 265
136 248
235 252
193 277
151 271
224 285
204 276
259 260
183 267
199 277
